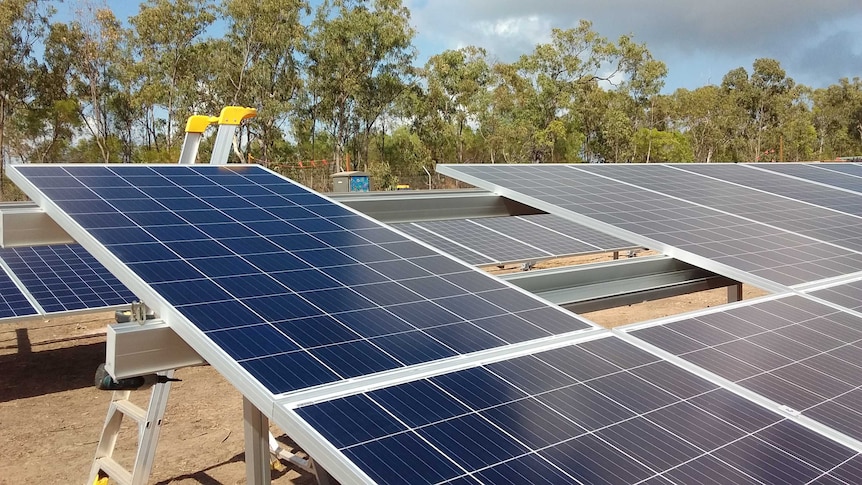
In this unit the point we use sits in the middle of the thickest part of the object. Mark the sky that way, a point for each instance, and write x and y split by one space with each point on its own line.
816 41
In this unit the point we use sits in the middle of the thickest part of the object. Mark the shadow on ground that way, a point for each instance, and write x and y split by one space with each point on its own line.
30 372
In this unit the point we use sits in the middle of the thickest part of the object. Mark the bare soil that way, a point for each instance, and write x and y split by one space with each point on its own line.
51 414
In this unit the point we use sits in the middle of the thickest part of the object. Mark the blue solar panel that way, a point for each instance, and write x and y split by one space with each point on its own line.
13 303
243 253
65 278
600 412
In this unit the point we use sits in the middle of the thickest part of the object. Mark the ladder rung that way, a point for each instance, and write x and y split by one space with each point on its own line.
114 470
131 410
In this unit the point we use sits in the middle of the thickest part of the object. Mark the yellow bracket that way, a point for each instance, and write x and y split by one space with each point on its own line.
234 115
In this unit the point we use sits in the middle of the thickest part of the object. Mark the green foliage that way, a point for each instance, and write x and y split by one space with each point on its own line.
338 80
663 146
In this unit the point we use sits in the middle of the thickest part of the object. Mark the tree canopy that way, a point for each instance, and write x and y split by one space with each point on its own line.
336 87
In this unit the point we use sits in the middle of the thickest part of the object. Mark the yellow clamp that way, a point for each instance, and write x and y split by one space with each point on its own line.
199 123
233 115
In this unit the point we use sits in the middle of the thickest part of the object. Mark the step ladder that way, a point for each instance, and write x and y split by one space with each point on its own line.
150 420
149 423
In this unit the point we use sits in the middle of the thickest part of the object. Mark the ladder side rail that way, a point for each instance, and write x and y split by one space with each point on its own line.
149 435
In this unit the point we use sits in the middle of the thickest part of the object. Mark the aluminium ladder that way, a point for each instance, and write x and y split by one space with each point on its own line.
150 420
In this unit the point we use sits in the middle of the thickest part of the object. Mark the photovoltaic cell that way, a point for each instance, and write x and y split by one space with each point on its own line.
792 350
13 303
65 277
630 419
242 253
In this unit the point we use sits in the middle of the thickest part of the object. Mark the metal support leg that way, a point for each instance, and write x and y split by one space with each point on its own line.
734 293
257 467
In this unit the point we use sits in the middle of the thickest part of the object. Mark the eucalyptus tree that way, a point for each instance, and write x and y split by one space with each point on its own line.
703 115
356 47
555 75
557 78
22 24
166 35
257 64
456 80
763 96
48 125
643 80
95 42
837 117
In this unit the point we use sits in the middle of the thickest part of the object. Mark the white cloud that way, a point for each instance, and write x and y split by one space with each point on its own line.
810 39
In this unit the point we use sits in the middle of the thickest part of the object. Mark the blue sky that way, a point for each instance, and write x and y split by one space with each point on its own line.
817 42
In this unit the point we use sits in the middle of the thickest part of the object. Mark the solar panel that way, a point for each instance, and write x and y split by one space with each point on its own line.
794 216
775 183
848 295
277 286
13 303
448 246
509 239
661 218
598 412
485 240
846 176
65 277
799 353
579 232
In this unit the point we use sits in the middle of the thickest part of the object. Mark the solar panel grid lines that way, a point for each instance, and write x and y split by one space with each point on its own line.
783 212
793 351
549 243
836 175
562 416
64 278
578 232
666 223
485 240
13 302
847 295
447 245
264 298
512 239
797 192
515 234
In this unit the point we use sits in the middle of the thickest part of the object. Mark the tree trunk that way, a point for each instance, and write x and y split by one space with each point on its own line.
2 146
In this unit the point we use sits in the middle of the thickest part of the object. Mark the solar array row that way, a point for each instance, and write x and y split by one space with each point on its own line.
794 351
731 224
500 240
297 290
65 278
291 295
600 412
